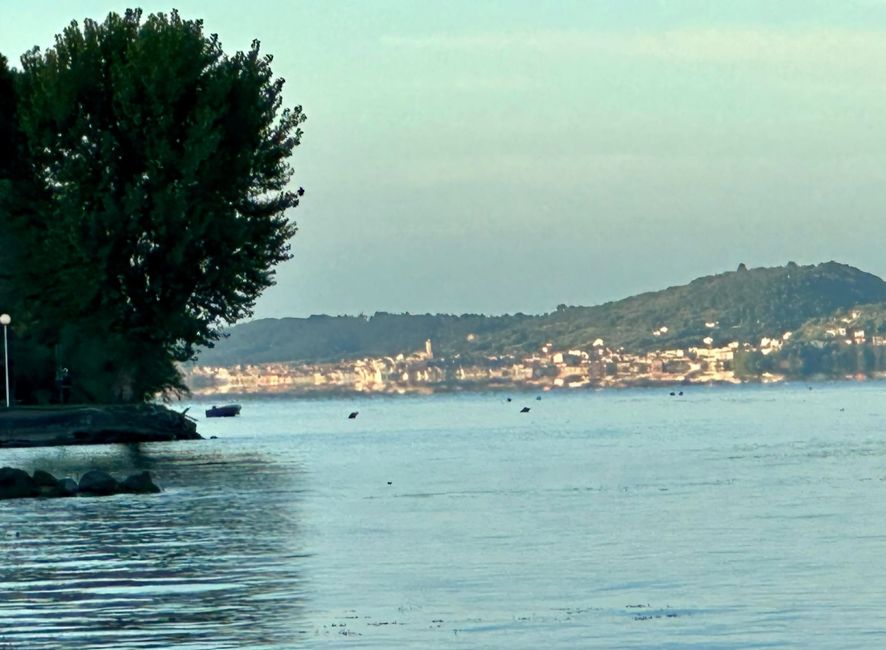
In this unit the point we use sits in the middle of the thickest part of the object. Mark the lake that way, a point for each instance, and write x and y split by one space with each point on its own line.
729 517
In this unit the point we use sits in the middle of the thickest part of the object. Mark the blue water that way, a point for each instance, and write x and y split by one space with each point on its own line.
741 517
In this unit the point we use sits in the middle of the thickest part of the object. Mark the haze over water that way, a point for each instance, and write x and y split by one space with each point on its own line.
746 517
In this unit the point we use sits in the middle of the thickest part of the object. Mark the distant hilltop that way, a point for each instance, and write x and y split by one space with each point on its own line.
742 306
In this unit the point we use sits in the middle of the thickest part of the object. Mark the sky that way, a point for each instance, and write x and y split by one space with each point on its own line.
508 156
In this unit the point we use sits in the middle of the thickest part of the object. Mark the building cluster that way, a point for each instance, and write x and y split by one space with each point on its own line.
546 369
851 329
422 372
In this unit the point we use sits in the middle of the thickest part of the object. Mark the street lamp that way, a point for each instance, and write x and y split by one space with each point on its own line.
6 319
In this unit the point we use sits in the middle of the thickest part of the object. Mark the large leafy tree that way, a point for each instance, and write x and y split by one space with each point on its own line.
154 207
8 164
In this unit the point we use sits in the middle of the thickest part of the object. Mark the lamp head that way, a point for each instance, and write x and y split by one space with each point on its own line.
5 319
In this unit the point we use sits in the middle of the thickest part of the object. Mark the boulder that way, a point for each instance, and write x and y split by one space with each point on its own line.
66 487
139 484
16 483
44 479
97 483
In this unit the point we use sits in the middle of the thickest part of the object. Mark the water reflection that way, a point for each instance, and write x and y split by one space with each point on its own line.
621 519
212 562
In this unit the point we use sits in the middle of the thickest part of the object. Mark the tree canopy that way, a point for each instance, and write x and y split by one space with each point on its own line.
145 198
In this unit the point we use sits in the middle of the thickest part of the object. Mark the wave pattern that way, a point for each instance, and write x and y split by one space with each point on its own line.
198 566
735 519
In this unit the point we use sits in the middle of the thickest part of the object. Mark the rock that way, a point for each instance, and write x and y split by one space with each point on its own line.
44 479
96 424
139 484
66 487
16 484
97 483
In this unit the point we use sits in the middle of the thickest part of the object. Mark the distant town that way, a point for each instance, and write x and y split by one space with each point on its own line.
547 369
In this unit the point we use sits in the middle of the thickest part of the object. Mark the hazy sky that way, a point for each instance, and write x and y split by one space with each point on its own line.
467 156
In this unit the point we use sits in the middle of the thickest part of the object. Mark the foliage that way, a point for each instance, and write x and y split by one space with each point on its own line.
834 359
329 338
12 171
155 208
745 306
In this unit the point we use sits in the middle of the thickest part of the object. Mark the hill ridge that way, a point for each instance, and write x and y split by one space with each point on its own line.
741 305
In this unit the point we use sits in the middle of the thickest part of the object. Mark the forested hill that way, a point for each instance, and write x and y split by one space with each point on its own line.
742 305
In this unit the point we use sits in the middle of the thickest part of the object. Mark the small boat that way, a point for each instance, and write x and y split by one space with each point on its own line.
227 411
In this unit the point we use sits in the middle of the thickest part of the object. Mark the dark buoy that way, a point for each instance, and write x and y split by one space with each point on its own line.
353 415
538 398
509 399
213 437
525 409
389 482
673 393
680 393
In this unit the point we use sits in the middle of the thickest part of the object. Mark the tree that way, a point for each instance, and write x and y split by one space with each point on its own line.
157 198
13 172
8 165
7 118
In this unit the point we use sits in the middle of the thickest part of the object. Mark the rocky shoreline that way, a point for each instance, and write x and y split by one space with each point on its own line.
18 484
93 425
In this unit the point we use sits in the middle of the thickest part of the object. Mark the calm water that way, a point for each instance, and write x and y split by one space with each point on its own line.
728 518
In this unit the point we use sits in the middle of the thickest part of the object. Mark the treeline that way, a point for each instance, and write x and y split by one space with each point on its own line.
809 359
331 338
743 305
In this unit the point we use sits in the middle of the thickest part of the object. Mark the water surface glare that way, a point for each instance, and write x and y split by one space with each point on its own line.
749 517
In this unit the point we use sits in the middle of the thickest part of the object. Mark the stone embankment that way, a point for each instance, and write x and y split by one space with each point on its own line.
18 484
91 425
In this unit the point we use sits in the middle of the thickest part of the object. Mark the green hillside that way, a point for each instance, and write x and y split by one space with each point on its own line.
745 305
330 338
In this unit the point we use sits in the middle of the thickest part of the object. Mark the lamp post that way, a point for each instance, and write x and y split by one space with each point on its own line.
6 319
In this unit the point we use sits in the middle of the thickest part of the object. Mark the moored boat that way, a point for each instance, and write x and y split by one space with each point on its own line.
227 411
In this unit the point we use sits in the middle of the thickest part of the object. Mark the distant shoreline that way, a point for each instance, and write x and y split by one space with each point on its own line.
521 390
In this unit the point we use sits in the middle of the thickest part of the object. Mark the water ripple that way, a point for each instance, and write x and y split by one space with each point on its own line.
198 566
